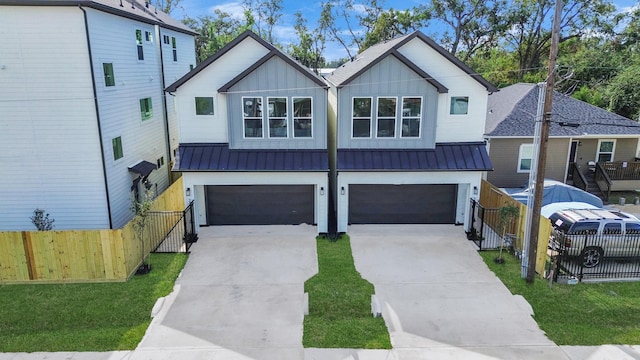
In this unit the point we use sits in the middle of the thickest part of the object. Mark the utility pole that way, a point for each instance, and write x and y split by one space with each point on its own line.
544 139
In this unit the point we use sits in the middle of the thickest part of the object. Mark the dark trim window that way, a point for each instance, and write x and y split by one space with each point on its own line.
411 116
302 117
277 117
204 105
148 36
252 117
117 148
165 39
146 109
109 78
361 118
386 124
459 105
175 48
139 44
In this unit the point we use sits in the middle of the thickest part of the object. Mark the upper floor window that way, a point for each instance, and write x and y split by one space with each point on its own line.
459 105
386 117
605 150
109 78
252 117
361 120
139 44
525 157
165 39
116 143
146 109
277 117
175 49
302 117
148 37
411 115
204 106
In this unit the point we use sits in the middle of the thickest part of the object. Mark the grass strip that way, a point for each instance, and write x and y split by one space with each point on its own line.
340 303
582 314
84 317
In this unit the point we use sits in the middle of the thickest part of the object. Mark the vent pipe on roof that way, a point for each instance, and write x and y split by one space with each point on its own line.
146 4
133 7
121 4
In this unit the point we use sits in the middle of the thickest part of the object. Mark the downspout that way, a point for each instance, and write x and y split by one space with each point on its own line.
165 112
95 100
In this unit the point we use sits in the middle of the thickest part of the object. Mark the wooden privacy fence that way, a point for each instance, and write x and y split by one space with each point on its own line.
80 255
493 198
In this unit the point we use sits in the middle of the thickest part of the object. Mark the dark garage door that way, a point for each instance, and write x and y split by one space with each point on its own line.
402 204
260 204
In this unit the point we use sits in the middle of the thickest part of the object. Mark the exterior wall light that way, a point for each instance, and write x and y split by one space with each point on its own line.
188 192
475 190
342 190
321 190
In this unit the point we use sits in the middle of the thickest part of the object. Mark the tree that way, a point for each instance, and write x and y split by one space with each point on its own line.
308 51
622 93
388 25
41 220
267 15
473 25
167 6
141 209
328 19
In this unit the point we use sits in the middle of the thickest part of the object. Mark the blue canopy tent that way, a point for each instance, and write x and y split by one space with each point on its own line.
556 192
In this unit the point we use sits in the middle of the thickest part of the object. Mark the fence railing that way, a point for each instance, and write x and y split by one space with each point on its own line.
579 180
603 180
181 231
591 256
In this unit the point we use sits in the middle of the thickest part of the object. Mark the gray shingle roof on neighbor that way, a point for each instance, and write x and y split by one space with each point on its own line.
371 56
512 111
445 157
218 157
133 9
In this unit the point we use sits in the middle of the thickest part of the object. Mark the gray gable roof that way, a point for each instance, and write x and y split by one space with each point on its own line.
273 51
138 10
371 56
512 110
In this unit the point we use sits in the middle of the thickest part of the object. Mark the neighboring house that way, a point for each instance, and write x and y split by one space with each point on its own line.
253 137
83 124
580 133
407 121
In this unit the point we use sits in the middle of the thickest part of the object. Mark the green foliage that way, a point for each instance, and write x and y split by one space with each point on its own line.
583 314
84 317
622 92
340 303
308 51
41 220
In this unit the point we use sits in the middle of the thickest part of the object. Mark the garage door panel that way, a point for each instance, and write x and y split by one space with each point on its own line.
402 204
260 204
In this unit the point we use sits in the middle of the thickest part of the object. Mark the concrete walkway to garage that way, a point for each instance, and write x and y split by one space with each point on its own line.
240 296
439 299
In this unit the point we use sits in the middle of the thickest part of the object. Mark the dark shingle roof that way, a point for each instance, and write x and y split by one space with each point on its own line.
273 51
445 157
218 157
133 9
371 56
512 111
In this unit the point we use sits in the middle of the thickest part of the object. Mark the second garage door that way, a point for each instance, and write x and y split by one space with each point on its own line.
260 204
402 204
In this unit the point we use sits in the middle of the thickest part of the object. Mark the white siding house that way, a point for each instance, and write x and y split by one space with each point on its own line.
82 102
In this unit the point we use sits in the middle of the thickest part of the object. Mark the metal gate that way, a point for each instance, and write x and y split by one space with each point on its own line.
175 230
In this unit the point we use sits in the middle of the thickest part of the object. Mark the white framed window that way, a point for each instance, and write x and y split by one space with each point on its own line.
361 117
525 158
277 117
459 105
302 117
204 105
386 117
139 44
411 116
606 148
252 117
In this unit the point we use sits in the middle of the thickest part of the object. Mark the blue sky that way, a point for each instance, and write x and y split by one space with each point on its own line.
310 9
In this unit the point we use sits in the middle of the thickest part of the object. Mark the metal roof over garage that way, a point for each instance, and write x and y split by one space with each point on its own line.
445 157
218 157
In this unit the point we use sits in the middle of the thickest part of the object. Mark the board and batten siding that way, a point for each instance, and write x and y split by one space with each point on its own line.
388 78
451 128
277 78
113 41
49 148
213 129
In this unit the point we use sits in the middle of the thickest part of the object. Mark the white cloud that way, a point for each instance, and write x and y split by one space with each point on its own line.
235 9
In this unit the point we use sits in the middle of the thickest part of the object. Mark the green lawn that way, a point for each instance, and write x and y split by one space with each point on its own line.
629 196
582 314
84 317
340 303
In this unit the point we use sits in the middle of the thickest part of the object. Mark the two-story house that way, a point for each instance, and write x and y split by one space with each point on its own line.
83 121
406 122
253 137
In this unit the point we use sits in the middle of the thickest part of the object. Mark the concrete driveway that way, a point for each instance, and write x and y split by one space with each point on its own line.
437 294
240 296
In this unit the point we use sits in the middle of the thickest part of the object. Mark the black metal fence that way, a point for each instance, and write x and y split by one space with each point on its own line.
176 229
484 229
591 256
